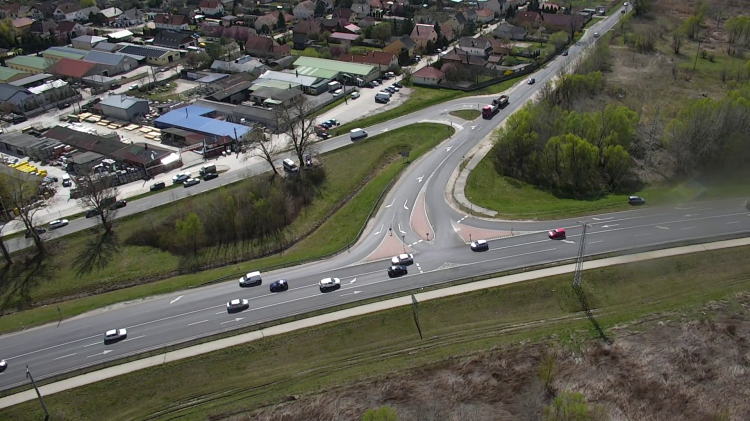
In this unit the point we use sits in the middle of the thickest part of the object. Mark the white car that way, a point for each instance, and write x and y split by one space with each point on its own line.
181 176
58 223
238 305
3 365
403 259
115 335
329 283
355 95
480 245
338 92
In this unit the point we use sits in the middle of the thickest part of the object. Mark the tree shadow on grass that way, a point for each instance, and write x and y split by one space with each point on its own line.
17 281
97 252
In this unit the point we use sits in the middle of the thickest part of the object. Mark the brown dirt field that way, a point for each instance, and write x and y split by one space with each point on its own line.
667 367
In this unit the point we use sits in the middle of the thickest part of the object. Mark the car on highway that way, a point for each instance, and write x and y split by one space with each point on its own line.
210 176
38 230
278 286
355 95
327 284
403 259
480 245
531 81
157 186
115 335
119 204
92 213
180 178
58 223
396 271
3 365
557 234
237 305
191 182
251 279
636 200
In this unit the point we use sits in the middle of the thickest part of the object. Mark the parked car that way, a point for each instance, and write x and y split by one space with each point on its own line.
308 161
280 285
398 85
115 335
157 186
395 88
119 204
115 86
191 182
38 230
333 122
181 178
92 213
338 92
58 223
396 270
63 106
355 95
210 176
237 305
636 200
327 284
557 234
480 245
403 259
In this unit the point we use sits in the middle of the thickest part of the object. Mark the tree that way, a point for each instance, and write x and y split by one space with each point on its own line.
676 42
568 406
691 26
197 60
325 36
281 22
189 231
87 3
616 163
559 39
403 57
214 50
258 144
320 8
641 7
430 47
381 32
384 413
26 197
97 194
6 253
298 123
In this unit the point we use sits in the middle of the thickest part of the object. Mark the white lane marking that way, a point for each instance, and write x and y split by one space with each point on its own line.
509 257
420 268
380 230
143 204
353 281
688 228
53 347
231 321
420 241
448 149
351 293
95 343
733 222
594 242
642 235
64 356
132 339
610 226
669 222
105 352
400 230
394 201
603 219
679 208
473 127
221 312
197 323
704 209
459 221
689 215
568 241
419 179
662 228
176 300
405 207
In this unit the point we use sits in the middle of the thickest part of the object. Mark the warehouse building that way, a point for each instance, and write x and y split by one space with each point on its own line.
123 107
111 64
157 56
310 85
351 73
200 120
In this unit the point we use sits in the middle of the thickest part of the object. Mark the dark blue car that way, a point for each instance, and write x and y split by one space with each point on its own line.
280 285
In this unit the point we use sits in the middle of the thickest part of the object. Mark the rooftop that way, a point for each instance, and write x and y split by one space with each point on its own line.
73 68
121 101
103 57
288 78
144 51
52 84
193 118
91 39
37 63
31 79
7 73
331 65
120 34
63 52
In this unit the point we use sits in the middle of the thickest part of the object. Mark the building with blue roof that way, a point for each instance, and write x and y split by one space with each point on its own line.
197 119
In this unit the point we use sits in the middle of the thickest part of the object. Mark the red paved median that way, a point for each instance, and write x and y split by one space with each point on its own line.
420 224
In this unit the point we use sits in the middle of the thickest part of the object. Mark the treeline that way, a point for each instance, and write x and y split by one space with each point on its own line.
710 136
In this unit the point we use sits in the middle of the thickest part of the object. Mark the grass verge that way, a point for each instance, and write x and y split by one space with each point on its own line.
378 154
466 114
331 355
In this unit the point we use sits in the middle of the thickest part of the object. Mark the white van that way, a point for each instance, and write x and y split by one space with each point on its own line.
357 134
289 165
251 279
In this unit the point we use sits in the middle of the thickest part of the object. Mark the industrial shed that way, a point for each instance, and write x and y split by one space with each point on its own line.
123 107
199 119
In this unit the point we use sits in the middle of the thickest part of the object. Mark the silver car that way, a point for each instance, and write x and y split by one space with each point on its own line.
58 223
115 335
403 259
329 283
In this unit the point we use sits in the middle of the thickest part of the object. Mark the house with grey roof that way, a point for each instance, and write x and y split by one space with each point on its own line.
123 107
86 42
16 99
111 63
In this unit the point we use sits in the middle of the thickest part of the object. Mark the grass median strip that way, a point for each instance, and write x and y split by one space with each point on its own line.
264 372
349 167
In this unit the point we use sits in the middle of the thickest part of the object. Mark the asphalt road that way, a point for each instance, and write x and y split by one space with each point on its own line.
164 320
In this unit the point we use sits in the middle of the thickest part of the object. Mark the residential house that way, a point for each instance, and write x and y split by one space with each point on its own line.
188 12
110 14
66 12
44 28
157 56
427 75
480 47
30 12
111 64
74 69
211 7
130 17
271 19
332 24
459 56
173 22
499 7
22 25
47 8
301 32
343 38
471 15
85 13
457 22
352 29
71 29
499 48
447 31
30 64
366 22
400 44
9 11
566 23
384 61
86 42
508 31
176 40
528 19
347 15
361 10
485 15
375 5
304 10
260 46
422 34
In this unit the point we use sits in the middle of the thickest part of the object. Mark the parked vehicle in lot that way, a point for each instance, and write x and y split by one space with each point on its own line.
251 279
115 335
480 245
38 230
357 134
58 223
334 86
403 259
327 284
207 169
636 200
191 182
381 99
210 176
557 234
396 270
280 285
398 85
92 213
338 92
355 95
157 186
66 182
237 305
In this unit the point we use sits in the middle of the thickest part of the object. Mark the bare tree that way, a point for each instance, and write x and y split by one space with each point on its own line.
298 123
26 196
257 143
4 249
98 194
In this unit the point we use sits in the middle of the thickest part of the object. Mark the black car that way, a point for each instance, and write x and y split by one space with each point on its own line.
63 106
565 53
210 176
280 285
396 270
326 124
398 85
117 205
157 186
39 231
92 213
636 200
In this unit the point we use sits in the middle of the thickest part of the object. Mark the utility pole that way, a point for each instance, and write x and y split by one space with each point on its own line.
579 262
41 401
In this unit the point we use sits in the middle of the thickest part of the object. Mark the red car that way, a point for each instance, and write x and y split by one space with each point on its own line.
557 234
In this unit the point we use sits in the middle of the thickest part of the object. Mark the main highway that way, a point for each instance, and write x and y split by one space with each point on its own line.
416 199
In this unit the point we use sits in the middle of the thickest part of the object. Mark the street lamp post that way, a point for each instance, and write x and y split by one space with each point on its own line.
38 394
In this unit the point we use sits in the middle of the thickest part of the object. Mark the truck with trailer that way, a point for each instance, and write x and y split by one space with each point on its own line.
490 110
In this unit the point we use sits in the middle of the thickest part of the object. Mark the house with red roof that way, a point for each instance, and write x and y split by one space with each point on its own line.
384 61
75 69
428 75
260 46
423 33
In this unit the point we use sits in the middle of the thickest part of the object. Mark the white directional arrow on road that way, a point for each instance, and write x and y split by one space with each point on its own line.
175 300
448 149
603 219
385 130
379 231
406 207
400 230
473 127
105 352
235 320
352 293
353 281
610 226
419 179
394 201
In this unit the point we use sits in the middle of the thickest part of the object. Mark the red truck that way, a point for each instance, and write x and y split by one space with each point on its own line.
490 110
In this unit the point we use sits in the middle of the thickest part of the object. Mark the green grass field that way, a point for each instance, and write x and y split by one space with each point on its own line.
513 199
466 114
146 271
311 360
